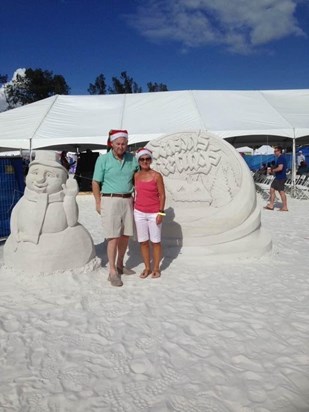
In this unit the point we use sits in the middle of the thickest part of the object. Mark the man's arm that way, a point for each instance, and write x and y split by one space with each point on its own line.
97 195
278 168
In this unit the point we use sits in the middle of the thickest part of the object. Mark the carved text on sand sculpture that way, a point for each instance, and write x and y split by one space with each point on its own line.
197 168
211 205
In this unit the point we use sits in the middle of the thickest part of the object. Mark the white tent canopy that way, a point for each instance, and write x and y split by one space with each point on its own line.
242 117
245 149
264 150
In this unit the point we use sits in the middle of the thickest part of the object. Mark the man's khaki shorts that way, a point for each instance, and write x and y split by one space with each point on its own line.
117 216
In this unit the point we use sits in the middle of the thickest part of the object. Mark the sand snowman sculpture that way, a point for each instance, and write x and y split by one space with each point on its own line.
211 203
45 233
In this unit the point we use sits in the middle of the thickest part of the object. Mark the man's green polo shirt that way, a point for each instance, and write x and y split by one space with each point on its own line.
116 176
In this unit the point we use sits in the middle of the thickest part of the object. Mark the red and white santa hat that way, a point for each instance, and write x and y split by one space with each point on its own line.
114 134
143 151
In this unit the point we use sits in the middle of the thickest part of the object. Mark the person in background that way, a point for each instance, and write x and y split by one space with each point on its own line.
64 161
263 169
148 212
72 163
300 158
112 187
303 168
278 183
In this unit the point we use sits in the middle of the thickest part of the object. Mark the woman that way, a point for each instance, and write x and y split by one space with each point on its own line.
149 211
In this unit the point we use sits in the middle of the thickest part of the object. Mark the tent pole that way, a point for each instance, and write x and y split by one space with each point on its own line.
293 165
30 149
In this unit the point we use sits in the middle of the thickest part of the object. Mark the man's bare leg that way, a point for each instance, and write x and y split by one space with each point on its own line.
111 254
112 247
122 247
284 201
272 196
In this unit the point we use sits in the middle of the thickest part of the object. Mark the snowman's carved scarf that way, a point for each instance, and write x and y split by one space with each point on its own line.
41 202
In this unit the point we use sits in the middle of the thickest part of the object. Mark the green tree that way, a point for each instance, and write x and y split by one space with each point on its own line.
155 87
124 85
99 86
35 85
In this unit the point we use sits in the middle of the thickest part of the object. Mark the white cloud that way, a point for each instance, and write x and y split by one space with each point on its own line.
239 25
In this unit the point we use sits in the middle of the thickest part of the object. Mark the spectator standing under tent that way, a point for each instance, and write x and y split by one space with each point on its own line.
278 183
300 158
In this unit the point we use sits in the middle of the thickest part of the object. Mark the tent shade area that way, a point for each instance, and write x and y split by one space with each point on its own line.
12 186
242 117
255 162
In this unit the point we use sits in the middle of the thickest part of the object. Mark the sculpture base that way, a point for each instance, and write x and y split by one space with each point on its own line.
254 245
69 249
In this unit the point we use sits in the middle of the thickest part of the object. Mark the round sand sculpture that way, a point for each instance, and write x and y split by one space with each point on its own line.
45 233
211 199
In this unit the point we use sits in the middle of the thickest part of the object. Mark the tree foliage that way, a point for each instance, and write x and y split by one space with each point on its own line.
34 85
122 85
99 86
125 84
155 87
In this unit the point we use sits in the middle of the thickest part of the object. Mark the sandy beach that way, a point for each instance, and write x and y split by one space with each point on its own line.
205 337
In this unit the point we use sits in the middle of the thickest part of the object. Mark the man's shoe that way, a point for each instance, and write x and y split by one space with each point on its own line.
115 280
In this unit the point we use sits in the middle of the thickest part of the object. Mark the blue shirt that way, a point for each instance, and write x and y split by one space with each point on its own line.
115 175
281 160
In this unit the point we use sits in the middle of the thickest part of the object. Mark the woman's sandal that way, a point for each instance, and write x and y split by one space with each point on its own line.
145 273
156 274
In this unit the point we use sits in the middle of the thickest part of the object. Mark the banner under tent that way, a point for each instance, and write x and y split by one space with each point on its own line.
71 123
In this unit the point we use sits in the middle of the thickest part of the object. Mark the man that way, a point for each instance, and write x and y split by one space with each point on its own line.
278 183
300 158
112 187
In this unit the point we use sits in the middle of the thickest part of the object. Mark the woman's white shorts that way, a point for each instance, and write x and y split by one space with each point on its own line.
146 227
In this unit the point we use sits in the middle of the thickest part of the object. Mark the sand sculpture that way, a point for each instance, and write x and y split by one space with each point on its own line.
45 233
211 200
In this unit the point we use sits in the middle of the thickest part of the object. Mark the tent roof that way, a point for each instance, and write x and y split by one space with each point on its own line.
264 150
85 120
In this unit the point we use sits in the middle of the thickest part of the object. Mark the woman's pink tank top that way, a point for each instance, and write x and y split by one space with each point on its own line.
147 196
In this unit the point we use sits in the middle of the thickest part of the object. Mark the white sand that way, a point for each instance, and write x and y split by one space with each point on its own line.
218 338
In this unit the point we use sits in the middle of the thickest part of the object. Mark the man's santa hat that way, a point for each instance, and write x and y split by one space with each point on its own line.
114 134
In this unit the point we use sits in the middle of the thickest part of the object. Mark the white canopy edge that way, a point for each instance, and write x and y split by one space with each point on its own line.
86 120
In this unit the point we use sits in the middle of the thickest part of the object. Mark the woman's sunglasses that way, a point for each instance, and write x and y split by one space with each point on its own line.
144 159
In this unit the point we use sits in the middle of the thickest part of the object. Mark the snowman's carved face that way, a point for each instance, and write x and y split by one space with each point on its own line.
45 179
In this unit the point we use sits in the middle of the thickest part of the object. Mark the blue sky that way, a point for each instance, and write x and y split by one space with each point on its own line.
186 44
